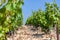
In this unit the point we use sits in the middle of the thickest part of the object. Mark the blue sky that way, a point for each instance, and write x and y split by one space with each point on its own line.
33 5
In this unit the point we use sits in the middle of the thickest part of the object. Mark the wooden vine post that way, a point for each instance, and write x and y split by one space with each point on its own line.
57 33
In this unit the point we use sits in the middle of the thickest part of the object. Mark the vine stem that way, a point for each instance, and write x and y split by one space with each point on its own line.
57 32
3 4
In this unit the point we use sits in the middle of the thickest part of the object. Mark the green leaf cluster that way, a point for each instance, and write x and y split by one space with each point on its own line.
45 19
11 17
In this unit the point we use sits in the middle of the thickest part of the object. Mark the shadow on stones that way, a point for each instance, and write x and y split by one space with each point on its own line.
38 35
33 29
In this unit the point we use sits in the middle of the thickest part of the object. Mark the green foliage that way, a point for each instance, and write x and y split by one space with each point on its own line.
45 19
10 17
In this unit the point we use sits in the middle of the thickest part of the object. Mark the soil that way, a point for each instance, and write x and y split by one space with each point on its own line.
30 33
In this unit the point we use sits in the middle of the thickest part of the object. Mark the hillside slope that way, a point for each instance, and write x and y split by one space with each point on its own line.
30 33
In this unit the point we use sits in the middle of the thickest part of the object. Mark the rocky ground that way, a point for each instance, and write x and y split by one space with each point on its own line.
29 33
